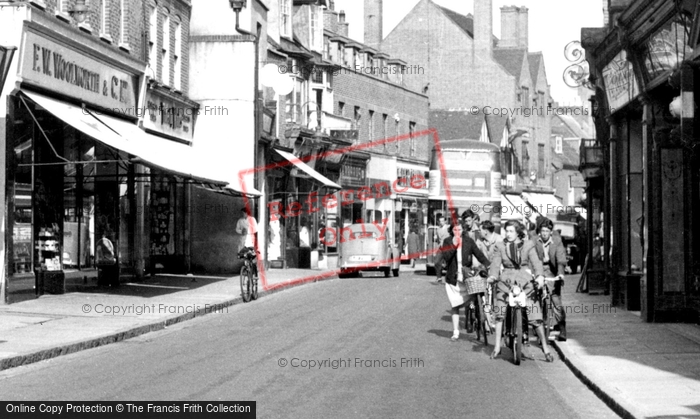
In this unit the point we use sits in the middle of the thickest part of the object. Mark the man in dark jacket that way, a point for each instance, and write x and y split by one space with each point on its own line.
551 252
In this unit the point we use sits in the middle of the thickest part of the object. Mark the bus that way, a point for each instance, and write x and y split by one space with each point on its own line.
464 174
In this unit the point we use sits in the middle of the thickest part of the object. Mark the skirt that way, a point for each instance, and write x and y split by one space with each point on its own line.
523 279
457 294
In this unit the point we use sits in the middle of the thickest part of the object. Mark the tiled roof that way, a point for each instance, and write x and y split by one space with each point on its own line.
511 59
496 123
452 125
466 23
569 157
567 127
534 59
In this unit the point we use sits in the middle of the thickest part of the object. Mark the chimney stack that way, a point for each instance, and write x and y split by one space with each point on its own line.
514 27
373 23
483 27
523 28
342 24
510 23
330 18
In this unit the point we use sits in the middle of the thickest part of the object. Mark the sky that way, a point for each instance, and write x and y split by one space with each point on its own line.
553 24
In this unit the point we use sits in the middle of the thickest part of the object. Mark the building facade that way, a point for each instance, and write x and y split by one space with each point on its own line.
641 168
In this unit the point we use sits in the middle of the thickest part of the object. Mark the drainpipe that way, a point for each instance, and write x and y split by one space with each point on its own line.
262 231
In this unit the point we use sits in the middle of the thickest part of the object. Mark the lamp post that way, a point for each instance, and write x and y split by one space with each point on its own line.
6 54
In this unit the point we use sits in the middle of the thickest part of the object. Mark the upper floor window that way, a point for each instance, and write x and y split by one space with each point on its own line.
371 126
177 61
123 29
165 51
153 37
559 145
104 17
60 7
286 17
385 130
317 75
540 161
341 108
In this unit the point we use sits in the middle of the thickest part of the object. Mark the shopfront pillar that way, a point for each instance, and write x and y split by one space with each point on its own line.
647 280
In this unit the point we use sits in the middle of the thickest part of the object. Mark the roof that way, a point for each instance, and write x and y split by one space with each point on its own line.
466 23
496 123
456 124
464 144
534 58
567 127
569 156
511 59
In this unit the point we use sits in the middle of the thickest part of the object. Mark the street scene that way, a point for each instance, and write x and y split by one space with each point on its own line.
376 208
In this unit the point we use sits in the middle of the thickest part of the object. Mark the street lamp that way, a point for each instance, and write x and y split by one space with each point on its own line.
6 54
79 11
237 5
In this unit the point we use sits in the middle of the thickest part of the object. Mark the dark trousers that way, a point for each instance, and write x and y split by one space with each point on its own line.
557 307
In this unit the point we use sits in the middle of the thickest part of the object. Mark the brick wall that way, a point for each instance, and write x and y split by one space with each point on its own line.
134 23
177 11
383 97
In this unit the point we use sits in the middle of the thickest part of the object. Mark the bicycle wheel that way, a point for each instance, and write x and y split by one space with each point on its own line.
517 333
481 318
245 284
546 321
254 285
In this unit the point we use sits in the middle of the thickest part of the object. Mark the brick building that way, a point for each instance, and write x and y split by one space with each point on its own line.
369 89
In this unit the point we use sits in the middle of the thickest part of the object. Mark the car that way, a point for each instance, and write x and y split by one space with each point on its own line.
365 247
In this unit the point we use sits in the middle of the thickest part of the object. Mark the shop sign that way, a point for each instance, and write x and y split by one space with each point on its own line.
53 66
352 175
347 135
169 117
621 85
411 177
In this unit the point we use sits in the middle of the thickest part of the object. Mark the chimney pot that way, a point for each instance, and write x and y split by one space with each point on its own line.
341 16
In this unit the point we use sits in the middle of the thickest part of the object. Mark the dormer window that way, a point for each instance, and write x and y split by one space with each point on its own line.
286 18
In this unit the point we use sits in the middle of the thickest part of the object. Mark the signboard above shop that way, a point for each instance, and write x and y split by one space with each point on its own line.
169 116
61 69
621 85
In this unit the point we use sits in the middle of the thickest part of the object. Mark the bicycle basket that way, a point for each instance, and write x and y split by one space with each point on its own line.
475 284
246 253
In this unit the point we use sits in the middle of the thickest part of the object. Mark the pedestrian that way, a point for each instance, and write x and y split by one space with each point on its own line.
518 257
459 249
413 242
551 252
441 233
489 237
108 270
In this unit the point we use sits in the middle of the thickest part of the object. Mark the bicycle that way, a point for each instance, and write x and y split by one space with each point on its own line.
476 285
545 298
249 274
513 329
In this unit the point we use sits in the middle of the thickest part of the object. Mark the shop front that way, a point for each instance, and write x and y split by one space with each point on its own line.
411 209
646 133
84 183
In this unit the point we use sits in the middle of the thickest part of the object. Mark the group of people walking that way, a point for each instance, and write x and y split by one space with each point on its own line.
469 247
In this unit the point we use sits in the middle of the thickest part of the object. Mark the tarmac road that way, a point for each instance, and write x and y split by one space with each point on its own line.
357 347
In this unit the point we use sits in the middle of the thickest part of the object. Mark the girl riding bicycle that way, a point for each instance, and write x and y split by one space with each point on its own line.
516 254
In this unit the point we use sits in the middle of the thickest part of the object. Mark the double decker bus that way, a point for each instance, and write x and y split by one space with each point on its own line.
464 174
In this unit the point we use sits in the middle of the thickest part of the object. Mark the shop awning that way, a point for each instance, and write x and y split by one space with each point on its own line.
544 203
513 207
149 150
306 169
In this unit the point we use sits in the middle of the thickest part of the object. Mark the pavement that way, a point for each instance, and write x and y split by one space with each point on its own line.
641 370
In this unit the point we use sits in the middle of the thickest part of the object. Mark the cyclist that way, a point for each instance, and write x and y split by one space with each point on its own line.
441 234
550 251
248 227
516 254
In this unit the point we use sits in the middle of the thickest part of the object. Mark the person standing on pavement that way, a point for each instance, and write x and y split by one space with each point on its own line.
413 243
550 250
459 249
442 232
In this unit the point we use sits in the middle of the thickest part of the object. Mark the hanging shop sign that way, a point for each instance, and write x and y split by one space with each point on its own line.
50 65
621 85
